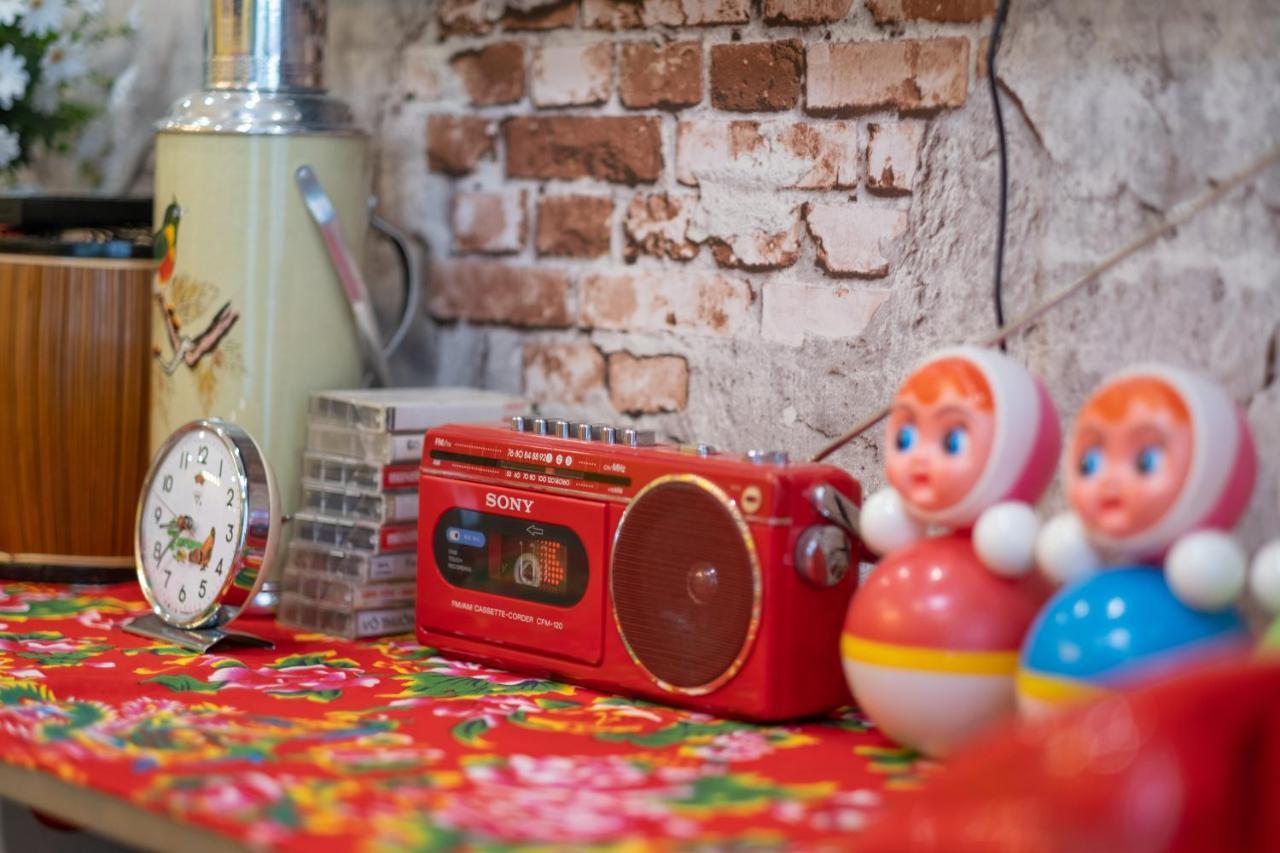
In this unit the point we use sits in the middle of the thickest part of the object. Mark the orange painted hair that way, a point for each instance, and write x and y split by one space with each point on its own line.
960 375
1112 402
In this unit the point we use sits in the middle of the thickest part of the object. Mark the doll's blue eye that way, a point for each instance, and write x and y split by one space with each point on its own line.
1149 459
1091 462
956 441
906 437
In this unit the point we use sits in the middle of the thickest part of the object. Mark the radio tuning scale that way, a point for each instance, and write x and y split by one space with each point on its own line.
207 528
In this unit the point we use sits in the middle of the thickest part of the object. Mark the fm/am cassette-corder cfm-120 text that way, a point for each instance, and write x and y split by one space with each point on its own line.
594 554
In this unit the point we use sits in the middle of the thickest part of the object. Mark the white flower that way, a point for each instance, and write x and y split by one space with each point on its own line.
91 7
13 77
43 17
45 97
10 10
62 62
9 148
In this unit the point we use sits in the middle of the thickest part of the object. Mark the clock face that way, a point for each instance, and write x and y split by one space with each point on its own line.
191 526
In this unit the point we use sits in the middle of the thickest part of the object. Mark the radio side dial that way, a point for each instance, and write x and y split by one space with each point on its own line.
823 555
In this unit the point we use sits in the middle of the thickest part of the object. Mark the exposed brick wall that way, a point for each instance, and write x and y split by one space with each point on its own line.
627 179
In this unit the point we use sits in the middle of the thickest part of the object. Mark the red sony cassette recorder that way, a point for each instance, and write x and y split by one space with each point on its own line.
591 554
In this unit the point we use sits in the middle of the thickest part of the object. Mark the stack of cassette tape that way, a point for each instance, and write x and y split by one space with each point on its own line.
352 563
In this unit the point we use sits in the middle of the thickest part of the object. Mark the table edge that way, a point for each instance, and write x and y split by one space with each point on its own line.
106 815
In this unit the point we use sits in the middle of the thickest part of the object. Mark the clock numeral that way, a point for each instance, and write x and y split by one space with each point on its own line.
184 460
167 485
203 591
182 593
230 531
218 571
203 455
167 575
156 551
231 494
157 515
219 469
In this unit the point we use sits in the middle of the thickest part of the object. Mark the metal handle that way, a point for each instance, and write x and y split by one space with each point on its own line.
321 209
411 275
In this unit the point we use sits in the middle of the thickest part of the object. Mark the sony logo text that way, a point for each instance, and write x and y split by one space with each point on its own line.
508 503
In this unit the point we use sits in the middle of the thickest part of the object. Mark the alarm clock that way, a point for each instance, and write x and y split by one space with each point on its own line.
207 527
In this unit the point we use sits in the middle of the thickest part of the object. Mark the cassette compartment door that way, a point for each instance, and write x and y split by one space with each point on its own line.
512 568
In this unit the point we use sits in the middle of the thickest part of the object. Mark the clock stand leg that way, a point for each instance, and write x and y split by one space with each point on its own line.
196 639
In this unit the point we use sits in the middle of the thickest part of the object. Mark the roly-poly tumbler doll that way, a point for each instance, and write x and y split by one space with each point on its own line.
1159 467
930 645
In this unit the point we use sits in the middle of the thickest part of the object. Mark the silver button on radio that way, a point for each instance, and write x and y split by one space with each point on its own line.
638 437
591 432
768 457
519 423
608 434
541 426
562 429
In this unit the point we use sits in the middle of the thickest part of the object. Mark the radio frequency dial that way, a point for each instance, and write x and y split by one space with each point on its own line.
823 555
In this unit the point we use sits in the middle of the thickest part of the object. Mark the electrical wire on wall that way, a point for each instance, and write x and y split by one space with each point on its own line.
993 46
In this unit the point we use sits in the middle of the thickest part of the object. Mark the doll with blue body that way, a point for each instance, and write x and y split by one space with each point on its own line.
931 640
1160 465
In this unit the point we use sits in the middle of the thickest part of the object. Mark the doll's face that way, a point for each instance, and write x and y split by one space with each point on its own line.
1124 473
937 450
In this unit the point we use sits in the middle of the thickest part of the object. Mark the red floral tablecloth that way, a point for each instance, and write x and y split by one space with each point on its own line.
321 744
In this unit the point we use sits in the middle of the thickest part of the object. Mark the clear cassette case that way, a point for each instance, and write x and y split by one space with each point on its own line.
353 565
378 507
304 614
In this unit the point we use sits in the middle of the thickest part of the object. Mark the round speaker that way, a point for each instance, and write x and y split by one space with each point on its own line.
685 583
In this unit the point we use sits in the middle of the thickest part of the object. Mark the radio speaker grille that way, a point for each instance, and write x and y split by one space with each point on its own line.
685 584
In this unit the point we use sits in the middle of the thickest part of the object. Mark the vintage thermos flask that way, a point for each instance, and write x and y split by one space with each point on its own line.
249 316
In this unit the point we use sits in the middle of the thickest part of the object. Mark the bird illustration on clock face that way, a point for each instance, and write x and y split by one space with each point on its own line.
183 349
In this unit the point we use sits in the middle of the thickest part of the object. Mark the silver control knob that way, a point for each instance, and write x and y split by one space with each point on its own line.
823 555
541 426
562 429
638 437
520 423
768 457
608 434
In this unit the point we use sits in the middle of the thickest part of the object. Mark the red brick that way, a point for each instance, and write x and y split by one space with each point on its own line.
633 14
658 224
492 75
455 144
645 386
709 304
620 149
911 76
665 78
805 12
495 292
850 237
562 372
576 226
778 154
464 17
489 222
893 153
758 250
757 76
791 311
572 74
945 11
553 16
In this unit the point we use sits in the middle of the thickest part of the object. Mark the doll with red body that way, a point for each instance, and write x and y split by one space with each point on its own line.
1159 467
931 640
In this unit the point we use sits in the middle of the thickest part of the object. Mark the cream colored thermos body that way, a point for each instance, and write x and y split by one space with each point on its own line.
249 317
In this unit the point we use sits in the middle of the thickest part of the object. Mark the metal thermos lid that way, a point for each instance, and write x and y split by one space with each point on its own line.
264 73
269 45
